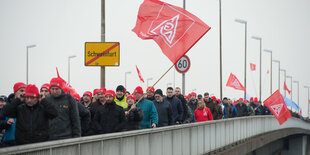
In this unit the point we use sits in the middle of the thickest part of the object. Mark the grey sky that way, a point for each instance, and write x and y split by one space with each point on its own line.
60 28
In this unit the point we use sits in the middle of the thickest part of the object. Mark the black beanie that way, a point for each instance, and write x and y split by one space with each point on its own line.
159 91
120 88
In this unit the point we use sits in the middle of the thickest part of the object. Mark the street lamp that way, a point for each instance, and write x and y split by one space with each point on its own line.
283 70
260 65
290 77
29 46
277 61
126 78
245 46
69 57
147 81
297 91
270 51
308 101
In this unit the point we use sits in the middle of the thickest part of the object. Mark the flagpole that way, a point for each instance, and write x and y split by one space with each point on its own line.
220 37
260 65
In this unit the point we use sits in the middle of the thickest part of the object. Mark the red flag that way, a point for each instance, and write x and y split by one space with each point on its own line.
285 88
139 74
252 66
277 106
234 83
67 88
174 29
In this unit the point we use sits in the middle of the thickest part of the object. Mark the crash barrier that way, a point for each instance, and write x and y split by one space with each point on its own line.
194 138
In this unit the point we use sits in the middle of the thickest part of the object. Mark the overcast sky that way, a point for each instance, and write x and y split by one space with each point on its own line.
60 28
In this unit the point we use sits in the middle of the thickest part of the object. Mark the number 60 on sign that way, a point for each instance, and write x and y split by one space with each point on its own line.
182 66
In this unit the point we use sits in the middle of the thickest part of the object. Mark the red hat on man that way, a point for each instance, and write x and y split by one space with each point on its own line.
76 96
47 86
138 90
57 82
219 100
255 100
151 89
193 93
88 93
110 93
251 99
18 86
213 98
103 90
96 91
245 101
31 91
131 96
241 99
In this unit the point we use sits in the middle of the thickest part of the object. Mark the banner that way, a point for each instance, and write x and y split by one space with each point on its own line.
234 82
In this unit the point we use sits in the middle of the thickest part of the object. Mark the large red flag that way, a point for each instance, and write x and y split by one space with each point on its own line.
67 88
139 74
174 29
285 88
277 106
234 82
252 66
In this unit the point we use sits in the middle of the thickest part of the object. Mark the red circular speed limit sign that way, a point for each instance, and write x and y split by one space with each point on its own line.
182 66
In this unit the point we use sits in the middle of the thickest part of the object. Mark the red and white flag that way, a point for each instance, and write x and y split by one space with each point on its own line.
252 66
234 82
286 88
174 29
277 106
139 74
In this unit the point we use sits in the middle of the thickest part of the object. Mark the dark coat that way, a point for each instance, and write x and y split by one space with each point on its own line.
228 111
177 110
192 105
84 118
109 118
133 119
32 123
93 108
187 114
67 124
164 111
242 110
213 108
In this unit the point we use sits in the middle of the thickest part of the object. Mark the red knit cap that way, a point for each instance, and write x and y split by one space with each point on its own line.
131 96
251 99
219 100
255 100
76 96
241 99
57 82
18 86
245 101
47 86
213 98
103 90
31 91
138 90
110 93
187 96
96 91
151 89
193 93
88 93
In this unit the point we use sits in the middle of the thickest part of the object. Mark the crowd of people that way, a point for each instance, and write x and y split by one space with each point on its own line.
31 115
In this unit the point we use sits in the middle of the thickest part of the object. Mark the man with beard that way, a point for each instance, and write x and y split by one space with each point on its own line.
150 93
109 117
176 105
187 114
87 96
100 101
120 99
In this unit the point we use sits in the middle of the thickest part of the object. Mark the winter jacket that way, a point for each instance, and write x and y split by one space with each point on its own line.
150 114
93 108
121 102
228 111
251 112
235 110
133 119
192 105
109 118
218 113
9 135
177 109
3 125
242 110
151 98
201 116
67 124
164 111
266 111
32 122
259 110
187 114
84 118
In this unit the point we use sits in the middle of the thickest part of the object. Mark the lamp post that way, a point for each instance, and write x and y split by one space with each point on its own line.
297 91
260 65
69 57
277 61
147 81
269 51
283 70
290 77
126 78
27 68
308 101
245 46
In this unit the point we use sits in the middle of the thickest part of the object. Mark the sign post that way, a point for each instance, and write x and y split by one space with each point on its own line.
182 66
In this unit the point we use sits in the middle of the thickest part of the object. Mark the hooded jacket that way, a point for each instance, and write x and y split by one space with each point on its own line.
32 123
67 124
201 115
